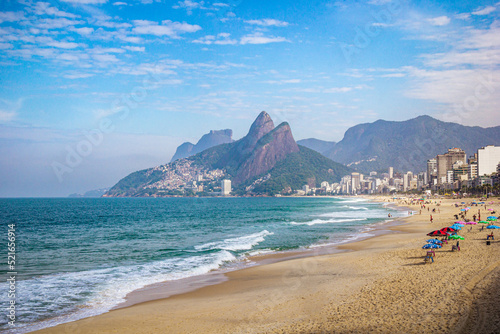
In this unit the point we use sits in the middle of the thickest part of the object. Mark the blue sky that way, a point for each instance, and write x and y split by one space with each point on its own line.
149 75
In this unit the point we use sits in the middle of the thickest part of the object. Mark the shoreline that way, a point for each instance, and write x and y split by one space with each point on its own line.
167 289
261 278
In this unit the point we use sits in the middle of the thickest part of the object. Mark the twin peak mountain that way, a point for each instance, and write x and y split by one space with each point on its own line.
266 161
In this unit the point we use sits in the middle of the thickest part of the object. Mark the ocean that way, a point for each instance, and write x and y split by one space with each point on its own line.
79 257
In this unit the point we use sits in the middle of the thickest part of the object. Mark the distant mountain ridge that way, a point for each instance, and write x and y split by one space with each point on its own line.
211 139
320 146
90 194
266 161
407 145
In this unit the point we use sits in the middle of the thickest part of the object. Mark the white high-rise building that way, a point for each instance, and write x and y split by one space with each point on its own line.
391 172
487 160
226 187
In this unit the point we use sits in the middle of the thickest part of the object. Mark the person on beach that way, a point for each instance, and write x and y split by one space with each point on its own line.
431 219
474 217
430 255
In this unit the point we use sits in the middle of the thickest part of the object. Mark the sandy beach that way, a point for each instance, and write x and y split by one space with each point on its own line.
378 285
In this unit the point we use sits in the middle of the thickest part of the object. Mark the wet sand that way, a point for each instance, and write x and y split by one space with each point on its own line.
379 285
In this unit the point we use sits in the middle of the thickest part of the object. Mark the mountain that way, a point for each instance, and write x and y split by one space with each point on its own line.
91 193
266 161
320 146
211 139
407 145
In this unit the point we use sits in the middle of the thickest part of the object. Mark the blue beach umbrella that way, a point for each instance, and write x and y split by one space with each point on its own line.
491 227
462 209
431 246
456 227
434 241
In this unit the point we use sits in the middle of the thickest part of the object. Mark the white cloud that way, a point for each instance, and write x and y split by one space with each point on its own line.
63 45
11 16
259 38
9 109
86 2
268 23
56 23
220 39
86 31
188 4
485 11
7 116
4 46
77 75
135 48
462 16
44 8
118 3
220 4
439 21
284 81
167 28
342 89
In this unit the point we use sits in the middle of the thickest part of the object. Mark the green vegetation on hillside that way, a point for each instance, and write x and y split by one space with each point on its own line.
297 169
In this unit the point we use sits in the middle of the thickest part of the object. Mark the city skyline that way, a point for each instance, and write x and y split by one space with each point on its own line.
161 73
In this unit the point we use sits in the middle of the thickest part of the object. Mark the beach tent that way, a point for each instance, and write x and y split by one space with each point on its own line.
427 246
491 227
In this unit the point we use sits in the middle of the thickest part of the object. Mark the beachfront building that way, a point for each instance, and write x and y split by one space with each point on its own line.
226 187
391 172
487 160
431 172
445 163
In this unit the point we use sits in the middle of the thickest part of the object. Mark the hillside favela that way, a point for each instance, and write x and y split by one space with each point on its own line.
242 167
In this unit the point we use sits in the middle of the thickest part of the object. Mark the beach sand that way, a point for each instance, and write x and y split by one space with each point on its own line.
379 285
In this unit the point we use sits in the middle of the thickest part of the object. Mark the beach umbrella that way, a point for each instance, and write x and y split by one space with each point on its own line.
463 202
434 241
437 233
427 246
458 228
483 222
471 223
460 222
491 227
456 237
463 210
447 229
491 218
490 209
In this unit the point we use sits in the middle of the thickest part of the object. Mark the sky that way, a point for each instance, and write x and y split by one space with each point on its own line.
92 90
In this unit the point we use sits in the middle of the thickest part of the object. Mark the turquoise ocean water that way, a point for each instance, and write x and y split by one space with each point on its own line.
80 257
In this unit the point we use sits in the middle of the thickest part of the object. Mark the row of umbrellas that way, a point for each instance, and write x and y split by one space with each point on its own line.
447 231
